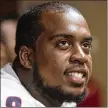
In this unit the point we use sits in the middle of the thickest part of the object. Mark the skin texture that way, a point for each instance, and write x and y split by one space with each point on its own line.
63 47
53 60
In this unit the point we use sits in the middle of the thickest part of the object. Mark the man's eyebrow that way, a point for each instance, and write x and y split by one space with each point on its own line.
88 38
61 35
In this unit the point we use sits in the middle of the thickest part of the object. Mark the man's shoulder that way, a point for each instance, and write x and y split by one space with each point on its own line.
10 84
7 73
17 96
13 92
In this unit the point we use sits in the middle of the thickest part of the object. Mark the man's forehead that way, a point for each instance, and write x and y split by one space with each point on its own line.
52 17
70 14
69 22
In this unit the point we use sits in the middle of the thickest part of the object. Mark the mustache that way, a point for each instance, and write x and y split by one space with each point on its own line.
75 67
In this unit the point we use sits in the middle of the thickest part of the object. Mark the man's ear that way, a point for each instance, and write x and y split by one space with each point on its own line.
26 57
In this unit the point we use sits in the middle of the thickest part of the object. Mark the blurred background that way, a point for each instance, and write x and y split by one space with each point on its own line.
95 13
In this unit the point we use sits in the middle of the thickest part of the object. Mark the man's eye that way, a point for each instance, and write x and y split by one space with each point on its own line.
87 45
63 45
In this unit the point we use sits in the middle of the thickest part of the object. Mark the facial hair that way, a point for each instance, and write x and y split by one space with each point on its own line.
55 92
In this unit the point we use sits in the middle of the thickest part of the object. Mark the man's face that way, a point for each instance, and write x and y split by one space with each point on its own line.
63 52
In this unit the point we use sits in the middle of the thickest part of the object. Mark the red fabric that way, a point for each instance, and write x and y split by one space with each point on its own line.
93 98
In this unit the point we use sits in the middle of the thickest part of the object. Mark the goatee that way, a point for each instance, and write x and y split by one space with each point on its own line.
56 93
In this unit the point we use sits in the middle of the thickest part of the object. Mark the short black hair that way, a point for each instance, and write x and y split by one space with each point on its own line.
29 28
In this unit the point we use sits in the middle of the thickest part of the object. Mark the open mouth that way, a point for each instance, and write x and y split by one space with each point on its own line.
76 76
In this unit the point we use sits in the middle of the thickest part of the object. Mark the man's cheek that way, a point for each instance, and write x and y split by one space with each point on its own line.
56 70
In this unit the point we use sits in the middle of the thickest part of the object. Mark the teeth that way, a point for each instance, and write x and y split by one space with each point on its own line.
77 75
80 75
70 74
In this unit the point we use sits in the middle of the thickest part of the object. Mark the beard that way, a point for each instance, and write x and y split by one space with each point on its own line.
55 92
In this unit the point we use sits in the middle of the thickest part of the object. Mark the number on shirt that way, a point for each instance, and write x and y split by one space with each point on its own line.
13 101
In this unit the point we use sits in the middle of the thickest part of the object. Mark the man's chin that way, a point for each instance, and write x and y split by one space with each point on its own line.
73 90
75 95
63 95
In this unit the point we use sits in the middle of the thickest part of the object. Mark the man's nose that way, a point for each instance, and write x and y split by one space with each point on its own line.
78 55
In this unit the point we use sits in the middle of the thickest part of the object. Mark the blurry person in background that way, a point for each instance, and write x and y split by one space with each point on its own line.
3 54
8 30
53 63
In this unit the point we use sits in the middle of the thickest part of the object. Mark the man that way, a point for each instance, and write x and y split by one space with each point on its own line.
53 63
